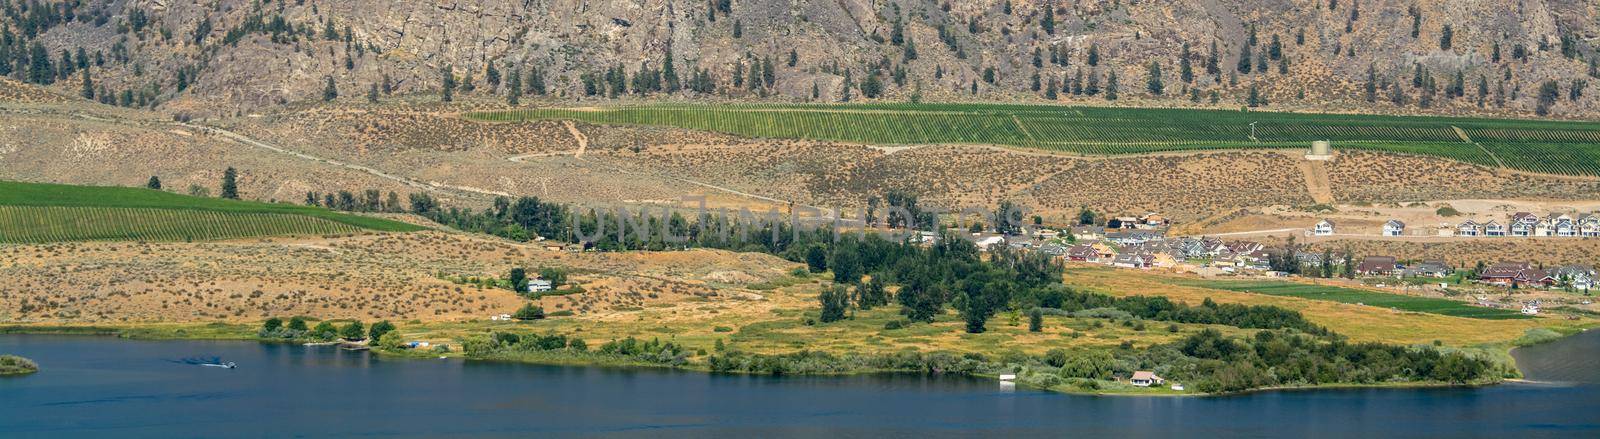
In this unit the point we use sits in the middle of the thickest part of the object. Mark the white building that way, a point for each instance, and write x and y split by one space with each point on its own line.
538 286
1146 379
1323 228
1394 228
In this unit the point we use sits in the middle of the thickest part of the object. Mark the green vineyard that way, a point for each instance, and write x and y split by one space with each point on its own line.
1555 147
36 213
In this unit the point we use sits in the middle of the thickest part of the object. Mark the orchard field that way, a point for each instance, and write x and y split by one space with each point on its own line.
34 213
1555 147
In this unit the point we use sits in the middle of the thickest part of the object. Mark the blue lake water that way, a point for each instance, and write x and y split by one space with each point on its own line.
106 387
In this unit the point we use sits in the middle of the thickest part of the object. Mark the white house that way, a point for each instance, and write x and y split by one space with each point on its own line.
1323 228
1394 228
538 286
1589 225
1493 228
1469 228
1146 379
1562 225
1524 224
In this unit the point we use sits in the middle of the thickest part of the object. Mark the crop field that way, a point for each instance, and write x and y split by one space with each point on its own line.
1529 145
1369 298
33 213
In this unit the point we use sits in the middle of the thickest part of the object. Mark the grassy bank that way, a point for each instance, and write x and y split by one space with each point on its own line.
1533 145
1356 296
36 212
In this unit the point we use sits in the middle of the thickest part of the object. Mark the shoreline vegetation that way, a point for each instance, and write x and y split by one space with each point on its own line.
1034 373
15 365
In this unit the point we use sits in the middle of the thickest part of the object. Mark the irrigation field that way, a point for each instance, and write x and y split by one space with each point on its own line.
1555 147
1370 298
35 213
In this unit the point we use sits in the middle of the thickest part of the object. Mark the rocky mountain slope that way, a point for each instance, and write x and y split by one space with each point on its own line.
214 57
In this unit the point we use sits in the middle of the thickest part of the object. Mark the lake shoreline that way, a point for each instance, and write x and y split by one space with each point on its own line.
232 332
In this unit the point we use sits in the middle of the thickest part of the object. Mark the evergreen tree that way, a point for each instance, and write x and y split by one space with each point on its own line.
1111 85
1154 84
1245 65
372 94
88 86
39 70
230 184
1035 320
514 87
669 73
1213 61
1094 55
448 87
1255 99
1048 23
1185 70
329 91
153 183
1445 37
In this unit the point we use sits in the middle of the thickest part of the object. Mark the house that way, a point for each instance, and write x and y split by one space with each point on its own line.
1244 247
1589 225
1083 253
1377 266
1469 228
1123 222
1133 237
1053 249
1146 379
1394 228
539 286
1494 228
986 240
1153 220
1130 260
1082 233
1562 225
1323 228
1524 224
1516 273
1579 277
1428 268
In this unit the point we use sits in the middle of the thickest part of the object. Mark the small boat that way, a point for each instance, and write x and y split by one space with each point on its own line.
228 365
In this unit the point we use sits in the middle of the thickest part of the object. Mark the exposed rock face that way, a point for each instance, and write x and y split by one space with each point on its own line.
267 53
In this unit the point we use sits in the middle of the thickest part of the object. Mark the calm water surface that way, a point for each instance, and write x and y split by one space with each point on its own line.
104 387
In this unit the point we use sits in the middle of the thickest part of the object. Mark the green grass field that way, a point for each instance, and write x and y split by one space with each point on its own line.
1370 298
1540 146
33 213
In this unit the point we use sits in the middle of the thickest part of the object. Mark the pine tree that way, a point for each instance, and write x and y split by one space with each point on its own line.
1185 70
1154 83
1049 20
153 183
372 94
1094 55
1111 85
514 87
1213 61
669 72
1244 60
88 86
230 184
329 91
1445 37
1255 99
448 88
1372 83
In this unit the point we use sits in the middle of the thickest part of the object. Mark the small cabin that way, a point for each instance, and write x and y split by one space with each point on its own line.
1146 378
539 286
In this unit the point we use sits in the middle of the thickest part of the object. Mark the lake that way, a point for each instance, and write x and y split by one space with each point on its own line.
107 387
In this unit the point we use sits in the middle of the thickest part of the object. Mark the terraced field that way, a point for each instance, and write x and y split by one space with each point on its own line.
1369 298
34 213
1555 147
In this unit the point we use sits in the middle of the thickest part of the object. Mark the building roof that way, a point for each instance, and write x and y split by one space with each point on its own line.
1395 223
1376 264
1145 375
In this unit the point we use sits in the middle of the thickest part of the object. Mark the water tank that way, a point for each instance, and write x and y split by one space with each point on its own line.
1321 147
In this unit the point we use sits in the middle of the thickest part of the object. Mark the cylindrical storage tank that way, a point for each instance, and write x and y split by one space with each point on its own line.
1321 147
